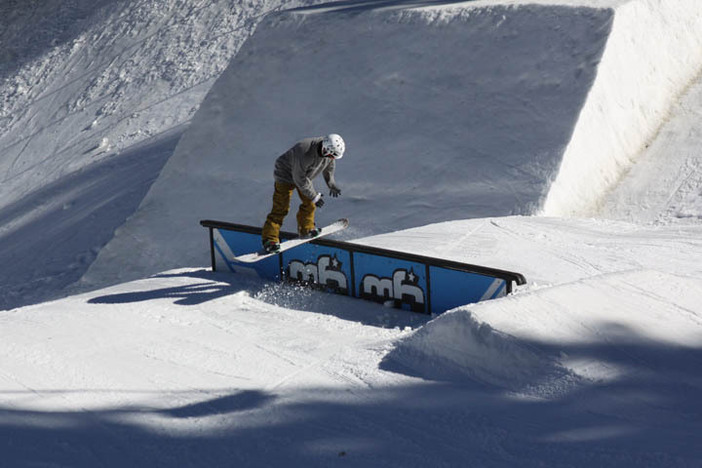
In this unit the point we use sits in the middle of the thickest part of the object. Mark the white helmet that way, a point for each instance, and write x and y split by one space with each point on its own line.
333 145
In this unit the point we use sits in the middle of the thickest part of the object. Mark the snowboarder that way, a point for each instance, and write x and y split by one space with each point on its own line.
295 169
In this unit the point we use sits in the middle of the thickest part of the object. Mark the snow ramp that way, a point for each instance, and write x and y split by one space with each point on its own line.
543 343
450 110
654 52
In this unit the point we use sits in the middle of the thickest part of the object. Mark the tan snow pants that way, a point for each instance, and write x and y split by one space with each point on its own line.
281 206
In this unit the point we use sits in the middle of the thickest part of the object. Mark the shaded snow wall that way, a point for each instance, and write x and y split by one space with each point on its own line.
653 52
448 113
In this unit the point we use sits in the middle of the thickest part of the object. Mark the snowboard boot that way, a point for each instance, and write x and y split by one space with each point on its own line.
271 246
312 233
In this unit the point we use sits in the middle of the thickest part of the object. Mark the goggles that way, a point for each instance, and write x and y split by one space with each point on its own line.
328 153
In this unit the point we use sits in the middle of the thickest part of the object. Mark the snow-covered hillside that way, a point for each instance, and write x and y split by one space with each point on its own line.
664 186
595 363
436 127
84 81
477 115
652 54
94 97
125 122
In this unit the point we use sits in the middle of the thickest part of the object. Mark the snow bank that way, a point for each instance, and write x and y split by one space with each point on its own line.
542 342
664 184
652 54
94 94
458 346
126 72
463 111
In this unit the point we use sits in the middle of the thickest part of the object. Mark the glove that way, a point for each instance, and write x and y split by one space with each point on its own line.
334 191
319 203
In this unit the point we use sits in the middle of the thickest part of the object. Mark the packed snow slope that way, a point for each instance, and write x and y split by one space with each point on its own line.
652 55
450 110
595 363
663 187
83 81
94 96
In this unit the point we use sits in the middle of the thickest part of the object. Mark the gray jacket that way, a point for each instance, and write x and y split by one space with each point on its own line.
302 163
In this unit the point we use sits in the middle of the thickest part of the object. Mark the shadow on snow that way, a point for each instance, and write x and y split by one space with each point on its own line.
52 236
31 29
639 421
214 285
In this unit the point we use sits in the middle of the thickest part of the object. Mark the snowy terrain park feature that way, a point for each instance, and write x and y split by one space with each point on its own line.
417 283
491 109
561 139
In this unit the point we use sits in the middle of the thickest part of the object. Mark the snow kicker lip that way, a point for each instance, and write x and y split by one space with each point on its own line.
458 346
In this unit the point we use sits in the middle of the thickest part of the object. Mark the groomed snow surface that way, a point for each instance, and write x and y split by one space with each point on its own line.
463 120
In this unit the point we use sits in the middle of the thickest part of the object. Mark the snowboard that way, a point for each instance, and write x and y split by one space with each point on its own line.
336 226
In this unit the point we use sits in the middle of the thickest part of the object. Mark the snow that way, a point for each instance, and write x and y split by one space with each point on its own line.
629 99
86 87
509 342
436 129
123 123
195 369
664 186
553 251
